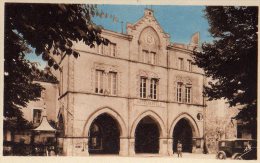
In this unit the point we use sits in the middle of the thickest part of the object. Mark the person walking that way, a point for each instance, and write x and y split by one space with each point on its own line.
179 148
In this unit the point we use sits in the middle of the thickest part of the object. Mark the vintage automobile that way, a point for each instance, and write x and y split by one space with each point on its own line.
237 149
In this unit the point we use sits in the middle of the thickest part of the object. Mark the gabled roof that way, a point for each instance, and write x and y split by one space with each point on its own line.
44 125
148 14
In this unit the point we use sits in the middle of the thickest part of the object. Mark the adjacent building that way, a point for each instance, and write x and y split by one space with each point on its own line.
47 105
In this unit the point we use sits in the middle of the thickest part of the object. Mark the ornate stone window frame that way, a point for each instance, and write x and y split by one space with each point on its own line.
184 82
107 69
148 76
112 47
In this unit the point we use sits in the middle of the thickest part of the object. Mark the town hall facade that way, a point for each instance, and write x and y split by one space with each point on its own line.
140 94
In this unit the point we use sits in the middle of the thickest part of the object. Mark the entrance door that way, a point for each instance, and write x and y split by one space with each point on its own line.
104 136
183 132
147 136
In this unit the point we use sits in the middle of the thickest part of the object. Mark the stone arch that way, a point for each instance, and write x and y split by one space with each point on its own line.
152 31
155 117
190 119
110 112
149 46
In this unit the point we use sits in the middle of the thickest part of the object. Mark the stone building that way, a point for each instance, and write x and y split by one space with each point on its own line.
47 105
139 94
219 124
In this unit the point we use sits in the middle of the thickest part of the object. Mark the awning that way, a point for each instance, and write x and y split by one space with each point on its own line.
44 125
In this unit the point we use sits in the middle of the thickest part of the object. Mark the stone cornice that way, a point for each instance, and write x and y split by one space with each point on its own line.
128 98
116 34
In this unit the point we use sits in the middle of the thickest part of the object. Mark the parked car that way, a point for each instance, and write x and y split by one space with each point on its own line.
237 149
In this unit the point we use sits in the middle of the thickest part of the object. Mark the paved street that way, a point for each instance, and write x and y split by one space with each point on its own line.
145 158
184 155
196 155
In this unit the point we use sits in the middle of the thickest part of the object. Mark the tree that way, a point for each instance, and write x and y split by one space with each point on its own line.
231 59
48 28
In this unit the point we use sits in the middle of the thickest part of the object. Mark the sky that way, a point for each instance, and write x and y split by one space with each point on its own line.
180 22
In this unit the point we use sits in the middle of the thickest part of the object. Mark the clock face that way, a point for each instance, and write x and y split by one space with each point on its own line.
149 39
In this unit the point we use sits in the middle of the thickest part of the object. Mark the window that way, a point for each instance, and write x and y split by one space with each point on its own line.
148 57
112 83
113 49
109 49
152 57
179 85
189 65
188 94
100 49
153 88
106 84
99 84
106 49
37 115
144 56
180 63
143 87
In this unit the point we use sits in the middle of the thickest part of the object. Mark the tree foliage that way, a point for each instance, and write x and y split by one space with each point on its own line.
231 59
48 28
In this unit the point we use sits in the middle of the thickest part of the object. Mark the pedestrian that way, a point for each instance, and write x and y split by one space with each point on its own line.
51 151
46 151
179 148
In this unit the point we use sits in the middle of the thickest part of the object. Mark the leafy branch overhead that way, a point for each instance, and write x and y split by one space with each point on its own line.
49 29
231 58
54 27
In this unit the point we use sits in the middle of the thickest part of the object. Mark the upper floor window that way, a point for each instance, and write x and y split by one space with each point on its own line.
179 92
143 87
188 94
113 49
148 57
144 83
105 83
37 115
189 65
109 49
99 81
100 49
152 58
112 83
180 63
153 88
144 56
